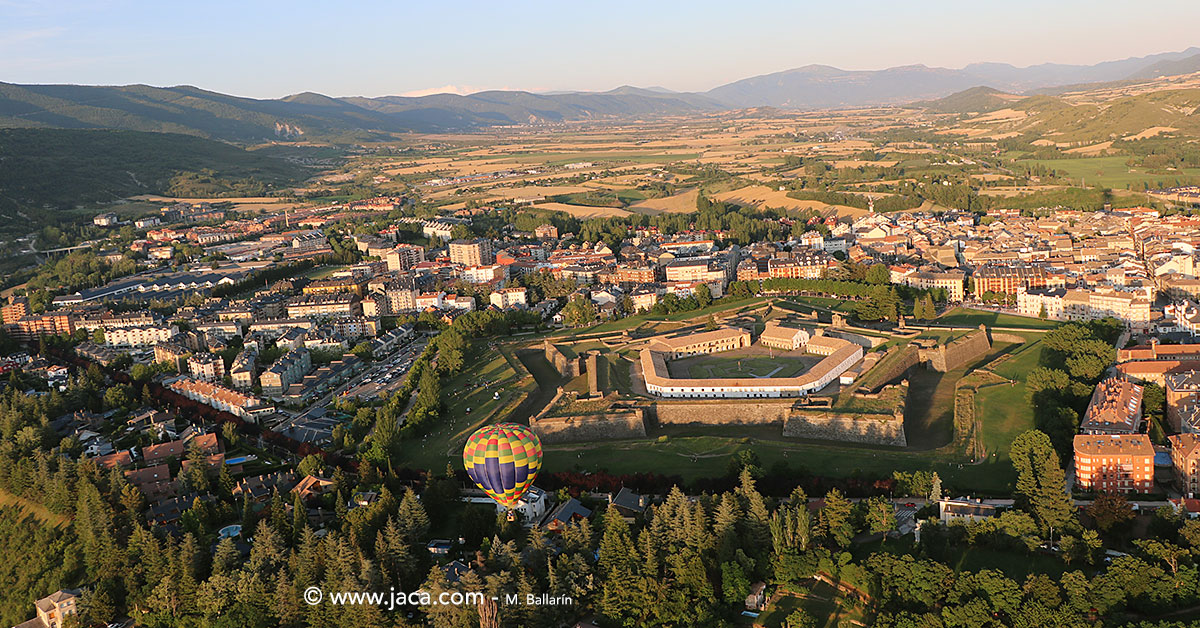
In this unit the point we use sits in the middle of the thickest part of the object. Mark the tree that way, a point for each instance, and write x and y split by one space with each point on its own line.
704 295
1041 483
579 312
735 586
710 324
935 488
1042 313
1110 510
799 619
312 464
881 516
835 519
878 274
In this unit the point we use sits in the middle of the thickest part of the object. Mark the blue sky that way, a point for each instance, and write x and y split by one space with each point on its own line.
263 48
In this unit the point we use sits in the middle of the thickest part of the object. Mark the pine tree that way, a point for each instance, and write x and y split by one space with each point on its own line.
835 519
620 599
935 491
299 518
1041 482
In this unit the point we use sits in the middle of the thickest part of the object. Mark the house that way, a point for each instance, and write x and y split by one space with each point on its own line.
455 570
260 487
565 513
757 600
53 609
964 509
363 499
155 482
162 452
312 487
628 503
439 547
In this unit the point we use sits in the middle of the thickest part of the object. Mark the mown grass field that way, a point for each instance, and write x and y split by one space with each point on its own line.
474 390
729 367
1004 411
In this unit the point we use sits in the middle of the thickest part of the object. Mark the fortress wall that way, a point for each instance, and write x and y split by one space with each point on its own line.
1003 337
883 430
612 426
567 367
967 349
723 412
909 357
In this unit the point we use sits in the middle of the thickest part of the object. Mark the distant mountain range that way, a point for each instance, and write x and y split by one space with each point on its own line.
308 115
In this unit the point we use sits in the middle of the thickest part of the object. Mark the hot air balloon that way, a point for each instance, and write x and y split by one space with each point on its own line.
503 460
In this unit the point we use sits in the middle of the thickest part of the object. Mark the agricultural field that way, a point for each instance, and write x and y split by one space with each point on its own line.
1111 172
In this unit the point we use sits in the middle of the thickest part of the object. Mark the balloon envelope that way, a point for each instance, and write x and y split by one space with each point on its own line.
503 460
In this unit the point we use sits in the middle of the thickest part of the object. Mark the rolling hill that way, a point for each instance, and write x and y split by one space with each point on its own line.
312 116
193 111
62 168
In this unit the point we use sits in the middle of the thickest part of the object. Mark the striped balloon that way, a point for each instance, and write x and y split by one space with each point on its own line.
503 460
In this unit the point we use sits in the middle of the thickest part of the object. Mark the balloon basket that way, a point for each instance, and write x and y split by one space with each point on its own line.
512 516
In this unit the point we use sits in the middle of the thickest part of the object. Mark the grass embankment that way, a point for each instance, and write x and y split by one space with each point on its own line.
968 317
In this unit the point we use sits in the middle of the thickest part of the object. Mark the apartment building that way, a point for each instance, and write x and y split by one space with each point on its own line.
342 304
35 325
484 274
206 366
141 336
546 232
173 353
633 274
951 281
797 267
1084 305
243 369
14 310
1132 308
476 252
1012 279
1185 462
404 257
287 370
1114 462
1115 408
696 269
505 298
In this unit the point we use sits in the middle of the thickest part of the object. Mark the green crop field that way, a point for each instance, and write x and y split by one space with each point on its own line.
1111 172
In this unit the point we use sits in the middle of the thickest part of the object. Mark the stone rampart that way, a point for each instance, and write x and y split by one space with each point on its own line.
613 425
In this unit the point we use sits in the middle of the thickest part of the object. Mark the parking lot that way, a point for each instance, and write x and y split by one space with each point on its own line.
386 375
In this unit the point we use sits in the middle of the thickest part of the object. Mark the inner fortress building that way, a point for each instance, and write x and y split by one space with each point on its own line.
840 356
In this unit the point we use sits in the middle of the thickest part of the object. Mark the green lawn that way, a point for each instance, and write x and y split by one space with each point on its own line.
1110 172
695 456
727 367
969 317
1003 410
465 390
630 322
822 602
797 304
